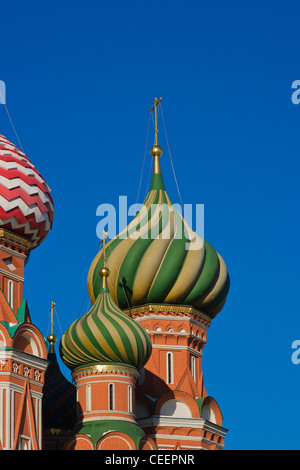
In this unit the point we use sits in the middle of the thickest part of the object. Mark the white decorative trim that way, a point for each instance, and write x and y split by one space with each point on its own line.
177 437
24 358
38 420
126 380
130 398
176 333
199 423
21 377
175 346
19 389
88 397
106 369
12 252
34 343
185 438
194 368
10 274
12 418
27 438
105 418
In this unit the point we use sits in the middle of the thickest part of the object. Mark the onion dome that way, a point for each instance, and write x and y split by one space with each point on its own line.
159 259
26 206
105 335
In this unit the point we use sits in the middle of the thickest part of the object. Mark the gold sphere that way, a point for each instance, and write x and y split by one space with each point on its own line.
156 151
104 272
51 338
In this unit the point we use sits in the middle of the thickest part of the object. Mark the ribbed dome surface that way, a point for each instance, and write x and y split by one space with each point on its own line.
105 334
156 267
26 206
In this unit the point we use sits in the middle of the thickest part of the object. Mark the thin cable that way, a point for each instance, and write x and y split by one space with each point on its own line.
47 322
170 155
3 101
58 320
93 286
82 302
153 127
121 284
143 161
151 164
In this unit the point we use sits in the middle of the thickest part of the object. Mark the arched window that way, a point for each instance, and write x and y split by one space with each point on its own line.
111 397
194 368
130 399
208 413
10 293
170 377
88 398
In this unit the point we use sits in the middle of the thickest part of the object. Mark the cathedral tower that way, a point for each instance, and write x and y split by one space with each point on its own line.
105 349
26 216
173 283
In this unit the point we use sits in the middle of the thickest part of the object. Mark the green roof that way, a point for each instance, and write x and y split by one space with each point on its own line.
97 429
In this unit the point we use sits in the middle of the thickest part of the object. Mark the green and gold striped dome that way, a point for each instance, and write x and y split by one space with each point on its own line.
105 335
150 261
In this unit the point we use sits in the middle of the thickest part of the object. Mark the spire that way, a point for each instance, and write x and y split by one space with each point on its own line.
156 152
51 338
104 271
156 102
59 395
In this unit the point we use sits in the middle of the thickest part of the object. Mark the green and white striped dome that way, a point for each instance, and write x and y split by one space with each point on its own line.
156 267
105 335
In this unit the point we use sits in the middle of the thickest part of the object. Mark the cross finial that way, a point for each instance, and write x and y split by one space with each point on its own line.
156 102
104 271
103 242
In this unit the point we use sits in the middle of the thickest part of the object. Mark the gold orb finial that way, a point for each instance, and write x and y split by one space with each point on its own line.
156 151
51 338
104 271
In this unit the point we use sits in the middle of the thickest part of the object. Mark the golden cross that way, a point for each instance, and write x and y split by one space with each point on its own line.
103 241
156 102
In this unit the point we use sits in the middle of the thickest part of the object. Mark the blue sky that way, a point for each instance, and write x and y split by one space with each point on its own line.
80 79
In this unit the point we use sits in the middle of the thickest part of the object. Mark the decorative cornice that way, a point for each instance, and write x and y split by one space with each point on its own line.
169 421
96 369
16 240
13 276
24 358
167 309
167 318
172 347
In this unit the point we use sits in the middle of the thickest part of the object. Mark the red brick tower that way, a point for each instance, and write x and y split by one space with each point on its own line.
173 283
105 350
26 215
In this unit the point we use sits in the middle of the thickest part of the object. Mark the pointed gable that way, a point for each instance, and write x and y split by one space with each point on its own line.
25 432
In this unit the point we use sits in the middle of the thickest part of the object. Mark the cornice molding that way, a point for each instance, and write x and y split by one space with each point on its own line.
17 240
96 369
166 309
169 421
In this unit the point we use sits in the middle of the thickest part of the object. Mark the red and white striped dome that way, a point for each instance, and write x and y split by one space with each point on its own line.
26 206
